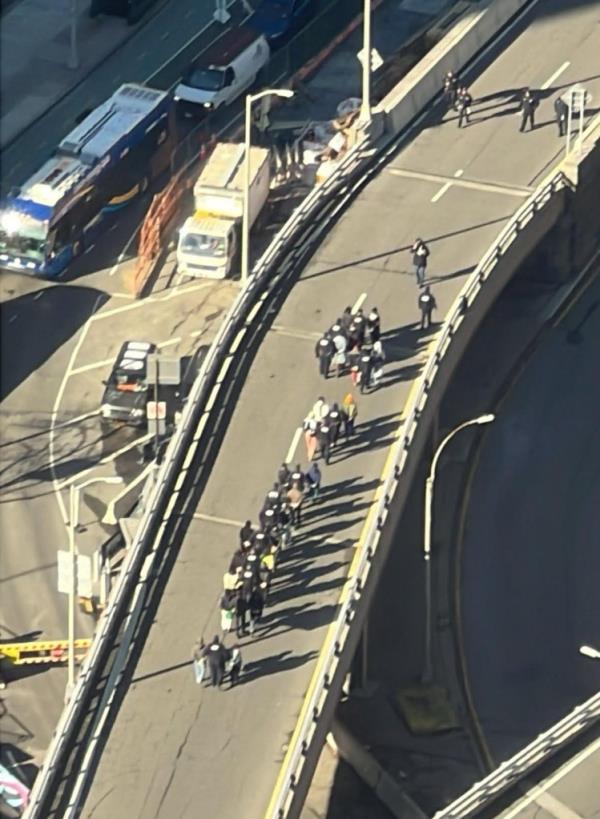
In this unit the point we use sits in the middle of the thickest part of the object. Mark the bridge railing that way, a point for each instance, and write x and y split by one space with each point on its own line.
359 574
513 770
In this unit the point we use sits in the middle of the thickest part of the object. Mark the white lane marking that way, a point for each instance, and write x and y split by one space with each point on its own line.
150 300
106 460
38 295
292 450
12 318
213 519
89 249
96 364
359 302
55 408
77 419
165 35
121 255
291 333
172 58
537 790
446 186
556 75
485 187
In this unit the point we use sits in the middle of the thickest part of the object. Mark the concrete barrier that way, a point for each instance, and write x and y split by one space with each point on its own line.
470 34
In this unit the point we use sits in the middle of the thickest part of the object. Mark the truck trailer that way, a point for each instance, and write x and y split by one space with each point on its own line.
210 240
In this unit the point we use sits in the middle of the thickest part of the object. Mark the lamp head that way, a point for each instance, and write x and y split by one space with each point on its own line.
588 651
486 419
287 93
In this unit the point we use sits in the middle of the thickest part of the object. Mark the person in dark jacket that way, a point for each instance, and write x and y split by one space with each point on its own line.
464 103
346 319
334 422
324 351
528 105
420 253
256 603
426 305
314 478
374 325
324 436
283 476
450 88
215 656
246 532
561 110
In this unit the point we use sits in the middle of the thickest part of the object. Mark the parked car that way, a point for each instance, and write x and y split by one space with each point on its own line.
126 389
225 69
280 19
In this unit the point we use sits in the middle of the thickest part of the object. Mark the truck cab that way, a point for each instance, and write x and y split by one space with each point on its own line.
207 246
126 389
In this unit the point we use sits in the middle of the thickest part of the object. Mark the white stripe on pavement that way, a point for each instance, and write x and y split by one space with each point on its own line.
292 450
556 75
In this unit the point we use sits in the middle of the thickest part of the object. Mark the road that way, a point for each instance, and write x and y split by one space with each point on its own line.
529 556
173 746
51 385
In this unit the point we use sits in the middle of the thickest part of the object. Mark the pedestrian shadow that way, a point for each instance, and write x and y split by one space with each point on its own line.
162 671
288 593
275 664
457 274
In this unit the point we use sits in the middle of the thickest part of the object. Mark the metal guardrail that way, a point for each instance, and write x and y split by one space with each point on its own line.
137 568
515 768
337 635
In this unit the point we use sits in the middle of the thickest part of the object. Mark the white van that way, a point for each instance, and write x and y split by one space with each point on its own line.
225 69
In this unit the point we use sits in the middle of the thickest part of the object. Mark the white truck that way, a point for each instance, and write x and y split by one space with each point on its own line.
209 241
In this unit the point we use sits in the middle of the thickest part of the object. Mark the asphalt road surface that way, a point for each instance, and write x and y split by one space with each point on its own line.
530 557
176 748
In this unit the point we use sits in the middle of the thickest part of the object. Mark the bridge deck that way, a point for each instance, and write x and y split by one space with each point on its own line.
177 748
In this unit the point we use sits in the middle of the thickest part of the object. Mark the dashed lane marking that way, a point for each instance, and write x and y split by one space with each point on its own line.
292 450
556 75
446 186
486 187
359 302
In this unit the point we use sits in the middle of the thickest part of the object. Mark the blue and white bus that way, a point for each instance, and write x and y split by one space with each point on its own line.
112 155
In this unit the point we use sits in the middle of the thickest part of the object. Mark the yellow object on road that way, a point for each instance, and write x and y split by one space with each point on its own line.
43 651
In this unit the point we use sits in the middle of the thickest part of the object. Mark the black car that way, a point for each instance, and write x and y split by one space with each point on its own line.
126 390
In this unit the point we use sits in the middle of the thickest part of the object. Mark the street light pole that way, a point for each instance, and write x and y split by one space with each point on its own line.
427 536
74 494
250 98
73 55
365 107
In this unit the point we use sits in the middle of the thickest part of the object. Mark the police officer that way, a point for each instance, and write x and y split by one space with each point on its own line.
374 325
215 655
334 421
324 436
528 106
561 109
283 476
450 88
346 319
324 352
426 305
464 102
246 532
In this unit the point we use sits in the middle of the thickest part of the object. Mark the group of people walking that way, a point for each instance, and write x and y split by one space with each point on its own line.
247 581
352 345
323 427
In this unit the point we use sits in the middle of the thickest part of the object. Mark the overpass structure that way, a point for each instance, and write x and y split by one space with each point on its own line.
172 748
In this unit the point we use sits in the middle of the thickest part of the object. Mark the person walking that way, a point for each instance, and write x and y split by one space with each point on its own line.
340 346
426 305
233 664
346 319
199 660
334 421
365 367
297 477
246 532
324 437
464 102
256 603
528 105
295 497
420 253
215 655
310 437
227 610
377 361
324 352
450 88
349 413
374 325
240 613
314 478
561 110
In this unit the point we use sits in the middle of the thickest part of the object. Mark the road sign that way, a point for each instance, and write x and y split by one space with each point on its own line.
156 412
83 579
376 61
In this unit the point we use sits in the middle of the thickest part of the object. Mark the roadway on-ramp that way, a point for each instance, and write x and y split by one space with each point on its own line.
176 748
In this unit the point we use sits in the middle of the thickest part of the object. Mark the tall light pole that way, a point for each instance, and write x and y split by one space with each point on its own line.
250 98
365 107
590 651
429 487
74 493
73 55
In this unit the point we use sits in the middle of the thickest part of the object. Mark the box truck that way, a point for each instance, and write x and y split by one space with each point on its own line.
210 240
